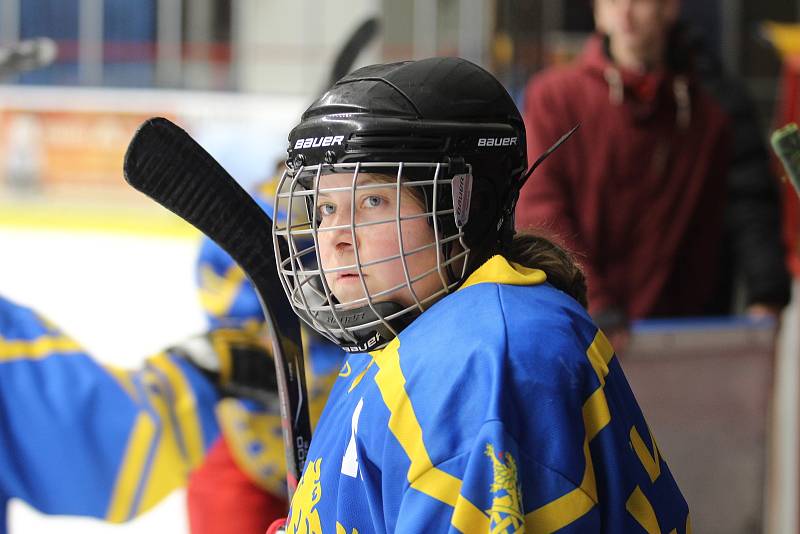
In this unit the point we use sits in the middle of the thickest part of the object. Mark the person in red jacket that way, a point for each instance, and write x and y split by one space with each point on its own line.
641 196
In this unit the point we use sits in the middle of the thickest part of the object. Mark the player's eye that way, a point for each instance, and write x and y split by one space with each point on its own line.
372 201
325 210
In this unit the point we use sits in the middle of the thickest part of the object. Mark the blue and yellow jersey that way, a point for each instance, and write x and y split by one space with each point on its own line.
502 407
79 438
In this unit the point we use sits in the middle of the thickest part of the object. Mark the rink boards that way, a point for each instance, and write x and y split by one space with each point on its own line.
705 387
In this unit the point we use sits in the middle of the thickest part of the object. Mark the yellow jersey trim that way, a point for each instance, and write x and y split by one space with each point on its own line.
405 427
133 464
36 349
572 506
185 407
446 488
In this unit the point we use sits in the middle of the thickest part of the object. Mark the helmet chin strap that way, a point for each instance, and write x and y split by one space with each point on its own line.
374 338
505 225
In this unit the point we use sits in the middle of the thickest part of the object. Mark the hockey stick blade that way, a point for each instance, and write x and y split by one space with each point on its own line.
167 165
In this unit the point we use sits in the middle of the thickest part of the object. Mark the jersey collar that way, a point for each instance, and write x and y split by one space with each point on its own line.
498 270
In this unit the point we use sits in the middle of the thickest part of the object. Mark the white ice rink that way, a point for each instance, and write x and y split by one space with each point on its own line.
123 297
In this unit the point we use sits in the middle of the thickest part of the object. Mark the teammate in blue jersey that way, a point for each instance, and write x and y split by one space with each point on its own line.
80 438
478 395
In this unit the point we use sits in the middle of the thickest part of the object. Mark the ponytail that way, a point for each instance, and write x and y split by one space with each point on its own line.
558 264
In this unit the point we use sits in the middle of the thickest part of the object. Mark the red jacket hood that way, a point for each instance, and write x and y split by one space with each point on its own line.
644 90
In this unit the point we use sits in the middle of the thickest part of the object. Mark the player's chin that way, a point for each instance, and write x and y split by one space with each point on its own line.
349 297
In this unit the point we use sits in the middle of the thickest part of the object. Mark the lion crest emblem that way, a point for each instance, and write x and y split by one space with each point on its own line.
304 517
506 512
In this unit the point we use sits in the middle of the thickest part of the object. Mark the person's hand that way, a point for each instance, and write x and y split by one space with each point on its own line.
761 311
237 361
765 312
277 527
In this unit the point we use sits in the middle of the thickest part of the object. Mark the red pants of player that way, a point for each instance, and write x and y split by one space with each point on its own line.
222 499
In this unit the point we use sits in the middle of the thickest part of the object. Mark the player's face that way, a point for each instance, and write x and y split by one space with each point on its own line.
338 243
635 25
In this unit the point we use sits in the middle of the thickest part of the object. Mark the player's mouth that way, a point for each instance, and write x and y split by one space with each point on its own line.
348 277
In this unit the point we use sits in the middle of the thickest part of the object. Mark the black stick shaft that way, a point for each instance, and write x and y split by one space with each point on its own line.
167 165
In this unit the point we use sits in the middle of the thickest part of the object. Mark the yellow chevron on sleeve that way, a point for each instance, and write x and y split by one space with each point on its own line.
468 518
642 511
650 462
596 414
559 513
132 468
185 409
217 293
569 507
38 348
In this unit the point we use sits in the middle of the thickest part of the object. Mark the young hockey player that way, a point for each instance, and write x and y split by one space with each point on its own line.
478 395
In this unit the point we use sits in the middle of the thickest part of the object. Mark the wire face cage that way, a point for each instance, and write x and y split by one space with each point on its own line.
369 246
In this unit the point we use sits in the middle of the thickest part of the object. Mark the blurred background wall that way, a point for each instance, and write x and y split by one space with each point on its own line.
81 247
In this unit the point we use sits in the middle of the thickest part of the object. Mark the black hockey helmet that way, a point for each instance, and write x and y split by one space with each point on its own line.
442 109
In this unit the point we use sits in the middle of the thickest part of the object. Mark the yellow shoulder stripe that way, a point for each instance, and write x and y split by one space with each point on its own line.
38 348
568 508
405 426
